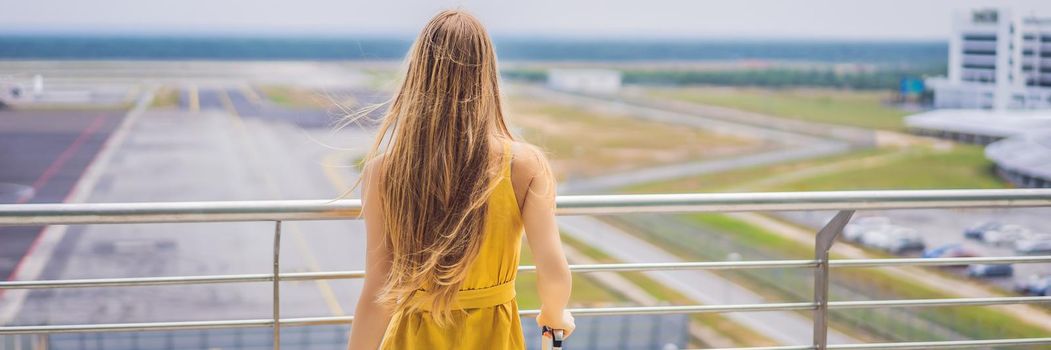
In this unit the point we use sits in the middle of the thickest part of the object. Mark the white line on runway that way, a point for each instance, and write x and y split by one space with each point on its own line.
195 98
297 234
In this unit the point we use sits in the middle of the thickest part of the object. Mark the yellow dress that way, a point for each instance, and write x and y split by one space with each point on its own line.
490 320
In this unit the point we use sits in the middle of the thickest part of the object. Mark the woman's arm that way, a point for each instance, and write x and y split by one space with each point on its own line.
370 318
554 282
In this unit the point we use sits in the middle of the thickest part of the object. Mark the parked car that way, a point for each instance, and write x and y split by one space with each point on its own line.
1042 289
857 228
1034 285
892 238
949 251
990 270
938 251
875 237
1032 246
977 231
1006 234
902 239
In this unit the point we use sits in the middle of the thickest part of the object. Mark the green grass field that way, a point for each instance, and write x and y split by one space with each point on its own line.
165 97
297 97
582 142
962 166
854 108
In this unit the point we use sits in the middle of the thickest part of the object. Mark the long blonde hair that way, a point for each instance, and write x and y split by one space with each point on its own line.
439 167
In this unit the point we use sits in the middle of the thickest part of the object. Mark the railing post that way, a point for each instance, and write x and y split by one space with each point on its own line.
277 285
822 243
43 342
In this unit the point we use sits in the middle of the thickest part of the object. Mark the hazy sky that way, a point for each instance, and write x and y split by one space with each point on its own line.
835 19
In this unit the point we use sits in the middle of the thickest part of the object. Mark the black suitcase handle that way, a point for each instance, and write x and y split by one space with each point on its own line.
557 337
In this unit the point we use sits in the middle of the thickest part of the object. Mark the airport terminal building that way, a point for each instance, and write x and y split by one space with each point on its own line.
997 93
1024 160
997 60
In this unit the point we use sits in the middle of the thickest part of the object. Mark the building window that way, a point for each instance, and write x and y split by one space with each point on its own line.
979 37
985 16
979 66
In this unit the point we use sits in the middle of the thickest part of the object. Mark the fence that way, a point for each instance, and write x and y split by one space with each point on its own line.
279 211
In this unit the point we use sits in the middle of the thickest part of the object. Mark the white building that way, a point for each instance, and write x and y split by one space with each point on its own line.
997 60
596 81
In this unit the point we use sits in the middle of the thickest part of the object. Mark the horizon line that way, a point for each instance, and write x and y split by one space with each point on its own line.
407 37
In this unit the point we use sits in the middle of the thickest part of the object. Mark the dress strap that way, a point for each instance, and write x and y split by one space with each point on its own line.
507 158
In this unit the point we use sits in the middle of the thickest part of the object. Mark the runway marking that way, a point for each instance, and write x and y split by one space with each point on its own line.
299 239
250 93
46 176
132 93
195 98
41 250
66 154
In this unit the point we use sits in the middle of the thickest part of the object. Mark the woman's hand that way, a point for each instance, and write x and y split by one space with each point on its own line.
566 322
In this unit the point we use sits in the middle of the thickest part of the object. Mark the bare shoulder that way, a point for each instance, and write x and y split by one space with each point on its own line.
529 170
373 168
528 161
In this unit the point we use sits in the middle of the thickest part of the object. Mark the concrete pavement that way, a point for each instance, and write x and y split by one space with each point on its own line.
212 155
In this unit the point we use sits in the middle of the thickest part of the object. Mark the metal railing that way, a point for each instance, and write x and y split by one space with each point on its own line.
278 211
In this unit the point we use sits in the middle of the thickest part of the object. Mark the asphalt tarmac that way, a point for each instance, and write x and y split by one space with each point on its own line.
42 155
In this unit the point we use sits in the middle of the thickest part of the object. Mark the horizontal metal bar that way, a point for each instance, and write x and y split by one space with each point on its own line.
794 201
176 212
940 261
115 213
707 265
611 311
687 309
309 276
134 281
316 321
786 347
178 280
702 265
864 304
954 344
312 321
133 327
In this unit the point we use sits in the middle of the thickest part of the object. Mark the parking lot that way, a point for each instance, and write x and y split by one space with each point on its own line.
941 227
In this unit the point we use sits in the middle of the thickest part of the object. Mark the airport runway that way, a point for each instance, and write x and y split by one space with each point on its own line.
232 149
